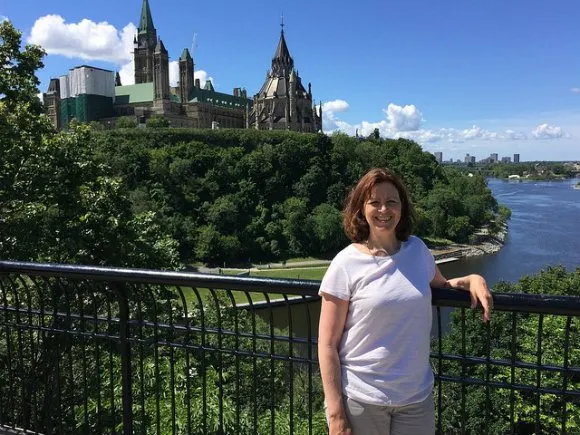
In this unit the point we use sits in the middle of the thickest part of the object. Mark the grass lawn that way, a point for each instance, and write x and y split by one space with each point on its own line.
298 273
436 242
300 259
315 273
239 296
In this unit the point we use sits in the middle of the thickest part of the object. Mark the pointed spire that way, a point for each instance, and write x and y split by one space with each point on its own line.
146 22
282 63
282 49
185 55
160 48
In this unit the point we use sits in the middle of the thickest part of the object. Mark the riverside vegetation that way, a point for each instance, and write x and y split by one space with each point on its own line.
159 198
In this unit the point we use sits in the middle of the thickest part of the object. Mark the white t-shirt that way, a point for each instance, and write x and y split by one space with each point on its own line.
384 350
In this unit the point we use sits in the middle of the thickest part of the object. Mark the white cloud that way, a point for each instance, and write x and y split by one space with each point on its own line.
428 136
367 128
3 18
398 119
476 132
405 122
127 73
335 106
85 39
546 131
329 121
515 135
203 77
403 118
173 73
575 90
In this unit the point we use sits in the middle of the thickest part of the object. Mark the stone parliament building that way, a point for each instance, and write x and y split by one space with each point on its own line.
93 94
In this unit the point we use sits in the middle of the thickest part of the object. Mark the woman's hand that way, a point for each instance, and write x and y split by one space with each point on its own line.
474 284
478 291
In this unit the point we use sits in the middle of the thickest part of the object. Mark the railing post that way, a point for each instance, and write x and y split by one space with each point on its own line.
125 353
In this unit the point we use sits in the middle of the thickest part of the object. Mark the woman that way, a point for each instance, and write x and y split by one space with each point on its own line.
375 320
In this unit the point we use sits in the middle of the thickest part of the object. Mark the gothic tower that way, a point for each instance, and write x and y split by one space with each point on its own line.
185 76
283 103
144 46
161 71
282 63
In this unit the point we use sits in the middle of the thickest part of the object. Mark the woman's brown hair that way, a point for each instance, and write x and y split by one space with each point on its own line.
355 225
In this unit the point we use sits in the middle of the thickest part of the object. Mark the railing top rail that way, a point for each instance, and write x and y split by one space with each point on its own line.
164 277
520 302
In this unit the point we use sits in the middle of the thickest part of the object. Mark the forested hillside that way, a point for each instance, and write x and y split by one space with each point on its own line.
246 195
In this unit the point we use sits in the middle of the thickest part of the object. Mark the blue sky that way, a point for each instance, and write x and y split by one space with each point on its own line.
457 76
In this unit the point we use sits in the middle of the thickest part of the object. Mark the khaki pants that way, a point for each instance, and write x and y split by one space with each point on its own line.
413 419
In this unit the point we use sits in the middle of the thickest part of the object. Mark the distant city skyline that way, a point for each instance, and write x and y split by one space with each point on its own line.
468 158
457 77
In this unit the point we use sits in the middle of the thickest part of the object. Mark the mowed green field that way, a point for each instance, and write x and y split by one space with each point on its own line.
315 273
293 273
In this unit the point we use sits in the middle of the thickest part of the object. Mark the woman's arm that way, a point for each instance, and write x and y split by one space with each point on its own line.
474 284
333 313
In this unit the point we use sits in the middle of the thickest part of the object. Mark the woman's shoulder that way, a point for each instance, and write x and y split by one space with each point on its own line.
345 254
416 243
416 240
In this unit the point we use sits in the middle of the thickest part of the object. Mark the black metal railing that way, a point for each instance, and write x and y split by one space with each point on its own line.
107 350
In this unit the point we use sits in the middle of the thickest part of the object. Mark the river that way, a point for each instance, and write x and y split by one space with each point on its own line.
544 230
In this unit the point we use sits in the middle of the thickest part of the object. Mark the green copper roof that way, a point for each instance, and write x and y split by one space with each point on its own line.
139 93
200 95
144 93
160 47
185 55
146 22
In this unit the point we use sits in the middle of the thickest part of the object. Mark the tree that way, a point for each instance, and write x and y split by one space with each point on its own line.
22 124
126 122
157 121
23 128
57 201
328 234
553 343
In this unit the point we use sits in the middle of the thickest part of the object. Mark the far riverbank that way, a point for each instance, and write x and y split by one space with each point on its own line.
485 244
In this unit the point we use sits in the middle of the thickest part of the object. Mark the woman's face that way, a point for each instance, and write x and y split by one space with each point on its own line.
382 210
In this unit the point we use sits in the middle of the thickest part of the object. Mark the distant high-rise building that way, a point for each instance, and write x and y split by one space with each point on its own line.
469 159
506 159
438 156
516 158
493 158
